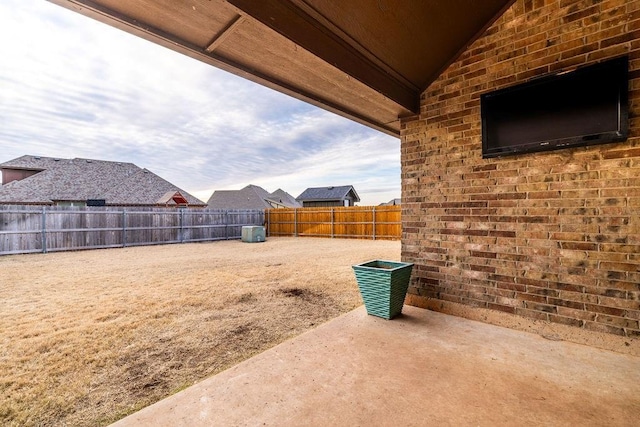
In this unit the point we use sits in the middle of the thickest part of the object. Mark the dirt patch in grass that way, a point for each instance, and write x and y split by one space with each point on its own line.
89 337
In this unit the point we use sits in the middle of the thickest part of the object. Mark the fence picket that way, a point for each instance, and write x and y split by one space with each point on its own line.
72 228
360 222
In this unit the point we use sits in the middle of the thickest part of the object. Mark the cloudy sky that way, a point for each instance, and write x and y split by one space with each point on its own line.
73 87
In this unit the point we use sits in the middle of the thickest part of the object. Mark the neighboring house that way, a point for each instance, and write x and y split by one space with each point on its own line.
392 202
344 195
252 197
38 180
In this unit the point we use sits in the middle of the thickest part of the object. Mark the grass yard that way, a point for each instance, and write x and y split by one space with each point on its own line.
89 337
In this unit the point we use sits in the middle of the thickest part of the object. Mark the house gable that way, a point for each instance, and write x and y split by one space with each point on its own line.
14 174
24 167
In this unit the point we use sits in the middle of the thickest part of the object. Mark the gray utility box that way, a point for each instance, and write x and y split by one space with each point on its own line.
253 234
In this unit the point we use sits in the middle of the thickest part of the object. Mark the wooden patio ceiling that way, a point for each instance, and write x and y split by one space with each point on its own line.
368 60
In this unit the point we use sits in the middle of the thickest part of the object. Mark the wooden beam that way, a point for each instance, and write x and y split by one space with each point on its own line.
220 37
294 23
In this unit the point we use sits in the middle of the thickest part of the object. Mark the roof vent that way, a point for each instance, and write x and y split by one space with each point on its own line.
330 188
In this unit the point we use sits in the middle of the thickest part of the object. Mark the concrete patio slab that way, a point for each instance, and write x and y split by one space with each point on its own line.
422 368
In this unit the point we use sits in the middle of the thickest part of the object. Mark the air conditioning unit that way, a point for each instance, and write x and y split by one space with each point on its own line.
253 234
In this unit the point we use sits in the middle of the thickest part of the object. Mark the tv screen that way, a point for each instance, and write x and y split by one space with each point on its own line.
581 107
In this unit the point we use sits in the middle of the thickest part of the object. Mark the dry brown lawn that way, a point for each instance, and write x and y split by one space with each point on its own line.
89 337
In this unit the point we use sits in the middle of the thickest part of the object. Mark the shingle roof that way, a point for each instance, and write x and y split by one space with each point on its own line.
78 179
392 202
31 162
283 198
250 197
328 193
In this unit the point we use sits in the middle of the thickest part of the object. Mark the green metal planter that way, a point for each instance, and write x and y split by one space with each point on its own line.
383 286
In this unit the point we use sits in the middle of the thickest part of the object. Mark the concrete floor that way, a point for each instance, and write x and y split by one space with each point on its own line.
422 368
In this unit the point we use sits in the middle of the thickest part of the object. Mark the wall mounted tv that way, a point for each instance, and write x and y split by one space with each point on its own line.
586 106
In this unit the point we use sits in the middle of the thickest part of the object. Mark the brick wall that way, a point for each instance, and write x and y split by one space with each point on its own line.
549 236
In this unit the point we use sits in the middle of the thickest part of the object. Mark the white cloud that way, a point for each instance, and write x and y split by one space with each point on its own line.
73 87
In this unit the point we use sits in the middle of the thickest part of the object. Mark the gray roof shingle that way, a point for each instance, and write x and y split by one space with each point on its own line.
392 202
328 193
283 198
250 197
78 179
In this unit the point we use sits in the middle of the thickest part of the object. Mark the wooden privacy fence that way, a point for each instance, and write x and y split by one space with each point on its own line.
360 222
27 229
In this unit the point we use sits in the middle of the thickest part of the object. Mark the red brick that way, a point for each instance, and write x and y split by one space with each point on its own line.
503 308
565 320
619 266
601 309
531 298
599 327
617 321
533 314
576 313
580 246
551 236
542 307
629 152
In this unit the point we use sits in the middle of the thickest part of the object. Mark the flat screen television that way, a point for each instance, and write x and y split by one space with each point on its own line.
586 106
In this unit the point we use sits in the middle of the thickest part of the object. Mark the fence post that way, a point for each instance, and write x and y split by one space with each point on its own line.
124 228
374 223
295 222
226 224
181 225
44 229
333 221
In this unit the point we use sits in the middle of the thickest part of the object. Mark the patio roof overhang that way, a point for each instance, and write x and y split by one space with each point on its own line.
368 60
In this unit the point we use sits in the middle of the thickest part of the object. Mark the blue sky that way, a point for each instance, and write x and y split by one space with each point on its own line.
74 87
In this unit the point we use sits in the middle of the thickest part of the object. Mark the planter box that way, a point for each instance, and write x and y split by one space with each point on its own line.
383 286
